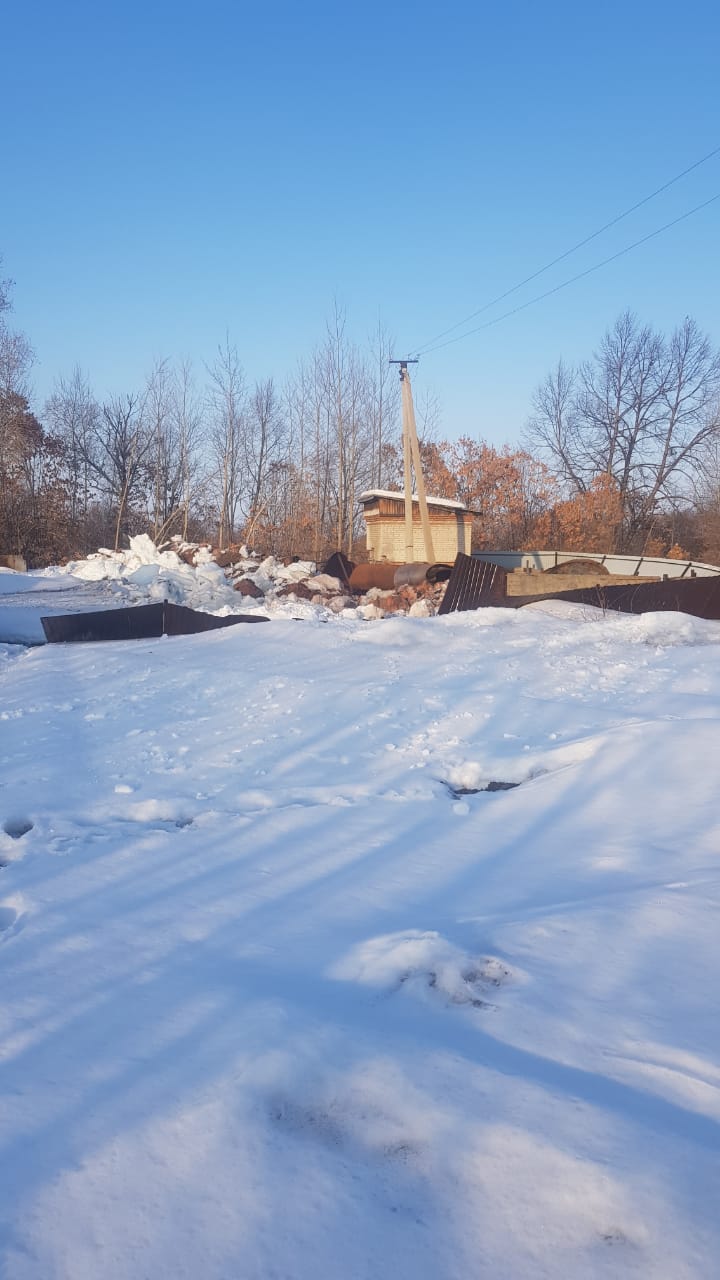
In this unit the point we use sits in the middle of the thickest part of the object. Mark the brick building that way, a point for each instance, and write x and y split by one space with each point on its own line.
384 512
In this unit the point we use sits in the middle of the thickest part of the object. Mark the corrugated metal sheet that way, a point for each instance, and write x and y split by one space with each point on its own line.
474 584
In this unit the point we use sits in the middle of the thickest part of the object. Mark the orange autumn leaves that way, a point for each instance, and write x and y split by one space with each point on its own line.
518 501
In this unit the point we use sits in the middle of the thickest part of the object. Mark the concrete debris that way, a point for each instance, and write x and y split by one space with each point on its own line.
258 577
326 584
370 612
296 591
247 587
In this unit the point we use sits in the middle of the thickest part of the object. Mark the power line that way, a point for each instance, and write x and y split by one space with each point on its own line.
580 244
580 276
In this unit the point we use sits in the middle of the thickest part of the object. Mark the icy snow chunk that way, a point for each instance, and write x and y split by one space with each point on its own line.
212 572
145 576
144 549
294 572
99 567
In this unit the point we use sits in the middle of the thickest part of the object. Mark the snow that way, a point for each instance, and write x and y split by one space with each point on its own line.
288 993
370 494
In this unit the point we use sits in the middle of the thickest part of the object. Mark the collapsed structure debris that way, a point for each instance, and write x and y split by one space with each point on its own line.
477 584
250 587
474 584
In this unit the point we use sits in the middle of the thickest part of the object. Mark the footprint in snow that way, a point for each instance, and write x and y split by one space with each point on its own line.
457 792
17 827
342 1123
7 918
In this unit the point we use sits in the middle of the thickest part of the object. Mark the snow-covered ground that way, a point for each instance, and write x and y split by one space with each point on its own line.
285 996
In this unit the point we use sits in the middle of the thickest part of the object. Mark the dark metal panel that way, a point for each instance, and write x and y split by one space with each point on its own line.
474 584
180 621
140 622
697 596
338 566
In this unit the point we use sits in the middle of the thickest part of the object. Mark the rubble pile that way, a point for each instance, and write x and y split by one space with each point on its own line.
268 579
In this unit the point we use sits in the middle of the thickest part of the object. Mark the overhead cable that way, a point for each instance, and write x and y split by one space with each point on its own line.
561 257
580 276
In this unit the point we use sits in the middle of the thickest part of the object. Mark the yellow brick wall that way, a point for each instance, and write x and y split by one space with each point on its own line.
386 539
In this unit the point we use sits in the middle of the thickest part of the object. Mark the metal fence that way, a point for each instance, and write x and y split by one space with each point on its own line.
622 565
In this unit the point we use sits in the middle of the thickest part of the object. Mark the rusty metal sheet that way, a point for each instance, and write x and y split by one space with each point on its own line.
474 584
139 622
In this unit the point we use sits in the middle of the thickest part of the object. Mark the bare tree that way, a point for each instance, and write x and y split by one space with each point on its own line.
640 413
122 445
73 415
265 442
345 408
20 433
16 354
188 426
162 461
383 403
341 413
227 403
16 359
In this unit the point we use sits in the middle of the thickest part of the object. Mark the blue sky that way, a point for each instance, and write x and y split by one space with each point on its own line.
173 172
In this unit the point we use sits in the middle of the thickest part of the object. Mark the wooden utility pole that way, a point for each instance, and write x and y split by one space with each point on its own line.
411 458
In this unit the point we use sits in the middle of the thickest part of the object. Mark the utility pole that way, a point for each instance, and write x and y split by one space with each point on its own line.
411 457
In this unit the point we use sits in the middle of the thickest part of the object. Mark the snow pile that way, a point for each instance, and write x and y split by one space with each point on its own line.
285 992
195 576
145 572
